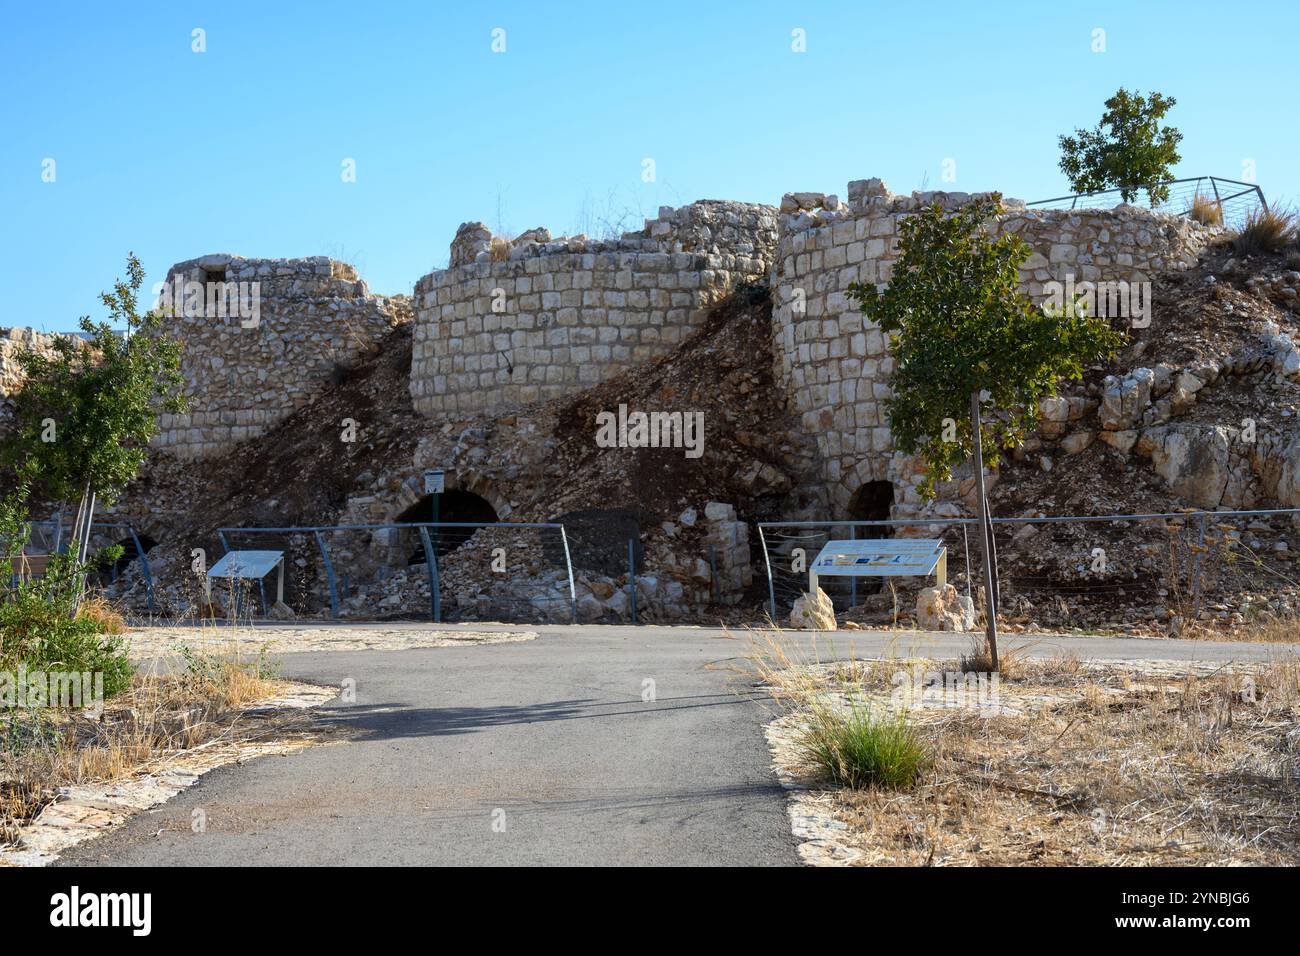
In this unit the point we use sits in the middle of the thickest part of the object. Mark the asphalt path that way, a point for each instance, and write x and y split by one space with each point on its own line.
589 745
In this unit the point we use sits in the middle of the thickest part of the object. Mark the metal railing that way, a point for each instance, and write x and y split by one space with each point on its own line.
435 537
1236 200
778 539
58 545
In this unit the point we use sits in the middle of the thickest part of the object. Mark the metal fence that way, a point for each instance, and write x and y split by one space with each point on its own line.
523 569
1062 566
51 537
1236 200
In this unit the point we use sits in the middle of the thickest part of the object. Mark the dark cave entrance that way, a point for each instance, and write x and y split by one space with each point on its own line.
873 502
454 507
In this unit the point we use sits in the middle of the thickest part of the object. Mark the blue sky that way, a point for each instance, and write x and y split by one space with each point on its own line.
173 153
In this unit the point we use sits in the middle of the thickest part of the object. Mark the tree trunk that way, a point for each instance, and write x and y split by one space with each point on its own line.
80 545
986 527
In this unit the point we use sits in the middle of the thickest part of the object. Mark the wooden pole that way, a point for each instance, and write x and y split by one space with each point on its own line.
990 585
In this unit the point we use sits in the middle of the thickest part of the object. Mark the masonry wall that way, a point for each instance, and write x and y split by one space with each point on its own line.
315 314
570 313
835 363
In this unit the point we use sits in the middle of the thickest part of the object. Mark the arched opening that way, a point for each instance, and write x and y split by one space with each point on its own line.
873 502
455 506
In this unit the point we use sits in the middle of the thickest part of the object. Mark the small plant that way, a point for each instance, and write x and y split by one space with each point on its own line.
1268 230
854 749
1205 211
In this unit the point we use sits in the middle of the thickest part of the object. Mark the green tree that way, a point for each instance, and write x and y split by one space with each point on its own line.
1128 150
86 413
964 333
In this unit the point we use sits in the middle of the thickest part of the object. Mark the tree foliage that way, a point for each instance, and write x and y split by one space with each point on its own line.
86 413
1128 150
959 323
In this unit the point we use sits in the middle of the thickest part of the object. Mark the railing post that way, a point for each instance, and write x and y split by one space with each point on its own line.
853 580
1196 568
771 588
573 591
631 575
144 569
431 562
329 574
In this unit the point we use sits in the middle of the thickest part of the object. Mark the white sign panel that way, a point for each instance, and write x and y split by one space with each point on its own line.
433 482
881 557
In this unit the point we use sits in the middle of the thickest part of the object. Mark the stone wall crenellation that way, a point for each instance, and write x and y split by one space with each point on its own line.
286 327
516 322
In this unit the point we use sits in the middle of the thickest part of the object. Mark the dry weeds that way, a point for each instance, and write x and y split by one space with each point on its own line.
1080 763
188 702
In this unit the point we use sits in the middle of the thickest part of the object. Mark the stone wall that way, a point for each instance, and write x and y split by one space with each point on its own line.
247 368
835 363
12 342
536 318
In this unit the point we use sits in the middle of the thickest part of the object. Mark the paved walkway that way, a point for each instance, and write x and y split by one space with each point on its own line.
550 737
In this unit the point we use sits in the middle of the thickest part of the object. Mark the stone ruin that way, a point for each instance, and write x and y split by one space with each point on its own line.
515 322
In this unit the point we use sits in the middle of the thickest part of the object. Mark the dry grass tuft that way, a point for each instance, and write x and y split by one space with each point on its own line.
1205 211
108 619
1011 659
1270 230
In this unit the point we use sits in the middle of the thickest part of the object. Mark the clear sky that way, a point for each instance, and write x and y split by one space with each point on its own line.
174 153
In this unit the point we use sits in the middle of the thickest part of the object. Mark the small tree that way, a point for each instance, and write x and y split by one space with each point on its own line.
962 332
87 412
1128 150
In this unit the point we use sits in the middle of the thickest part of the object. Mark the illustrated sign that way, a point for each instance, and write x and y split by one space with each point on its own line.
433 481
881 557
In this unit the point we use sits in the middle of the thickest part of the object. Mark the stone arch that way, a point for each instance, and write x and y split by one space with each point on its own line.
411 491
868 470
398 545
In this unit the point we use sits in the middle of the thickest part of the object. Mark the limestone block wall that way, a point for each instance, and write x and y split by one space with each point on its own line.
536 318
244 374
12 342
836 365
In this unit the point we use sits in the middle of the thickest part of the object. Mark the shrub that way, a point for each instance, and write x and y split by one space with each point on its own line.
1267 230
1205 211
853 749
39 634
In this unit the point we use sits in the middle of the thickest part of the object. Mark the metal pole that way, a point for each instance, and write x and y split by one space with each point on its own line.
631 575
990 608
329 574
853 581
771 588
965 544
144 569
1196 569
573 591
431 562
